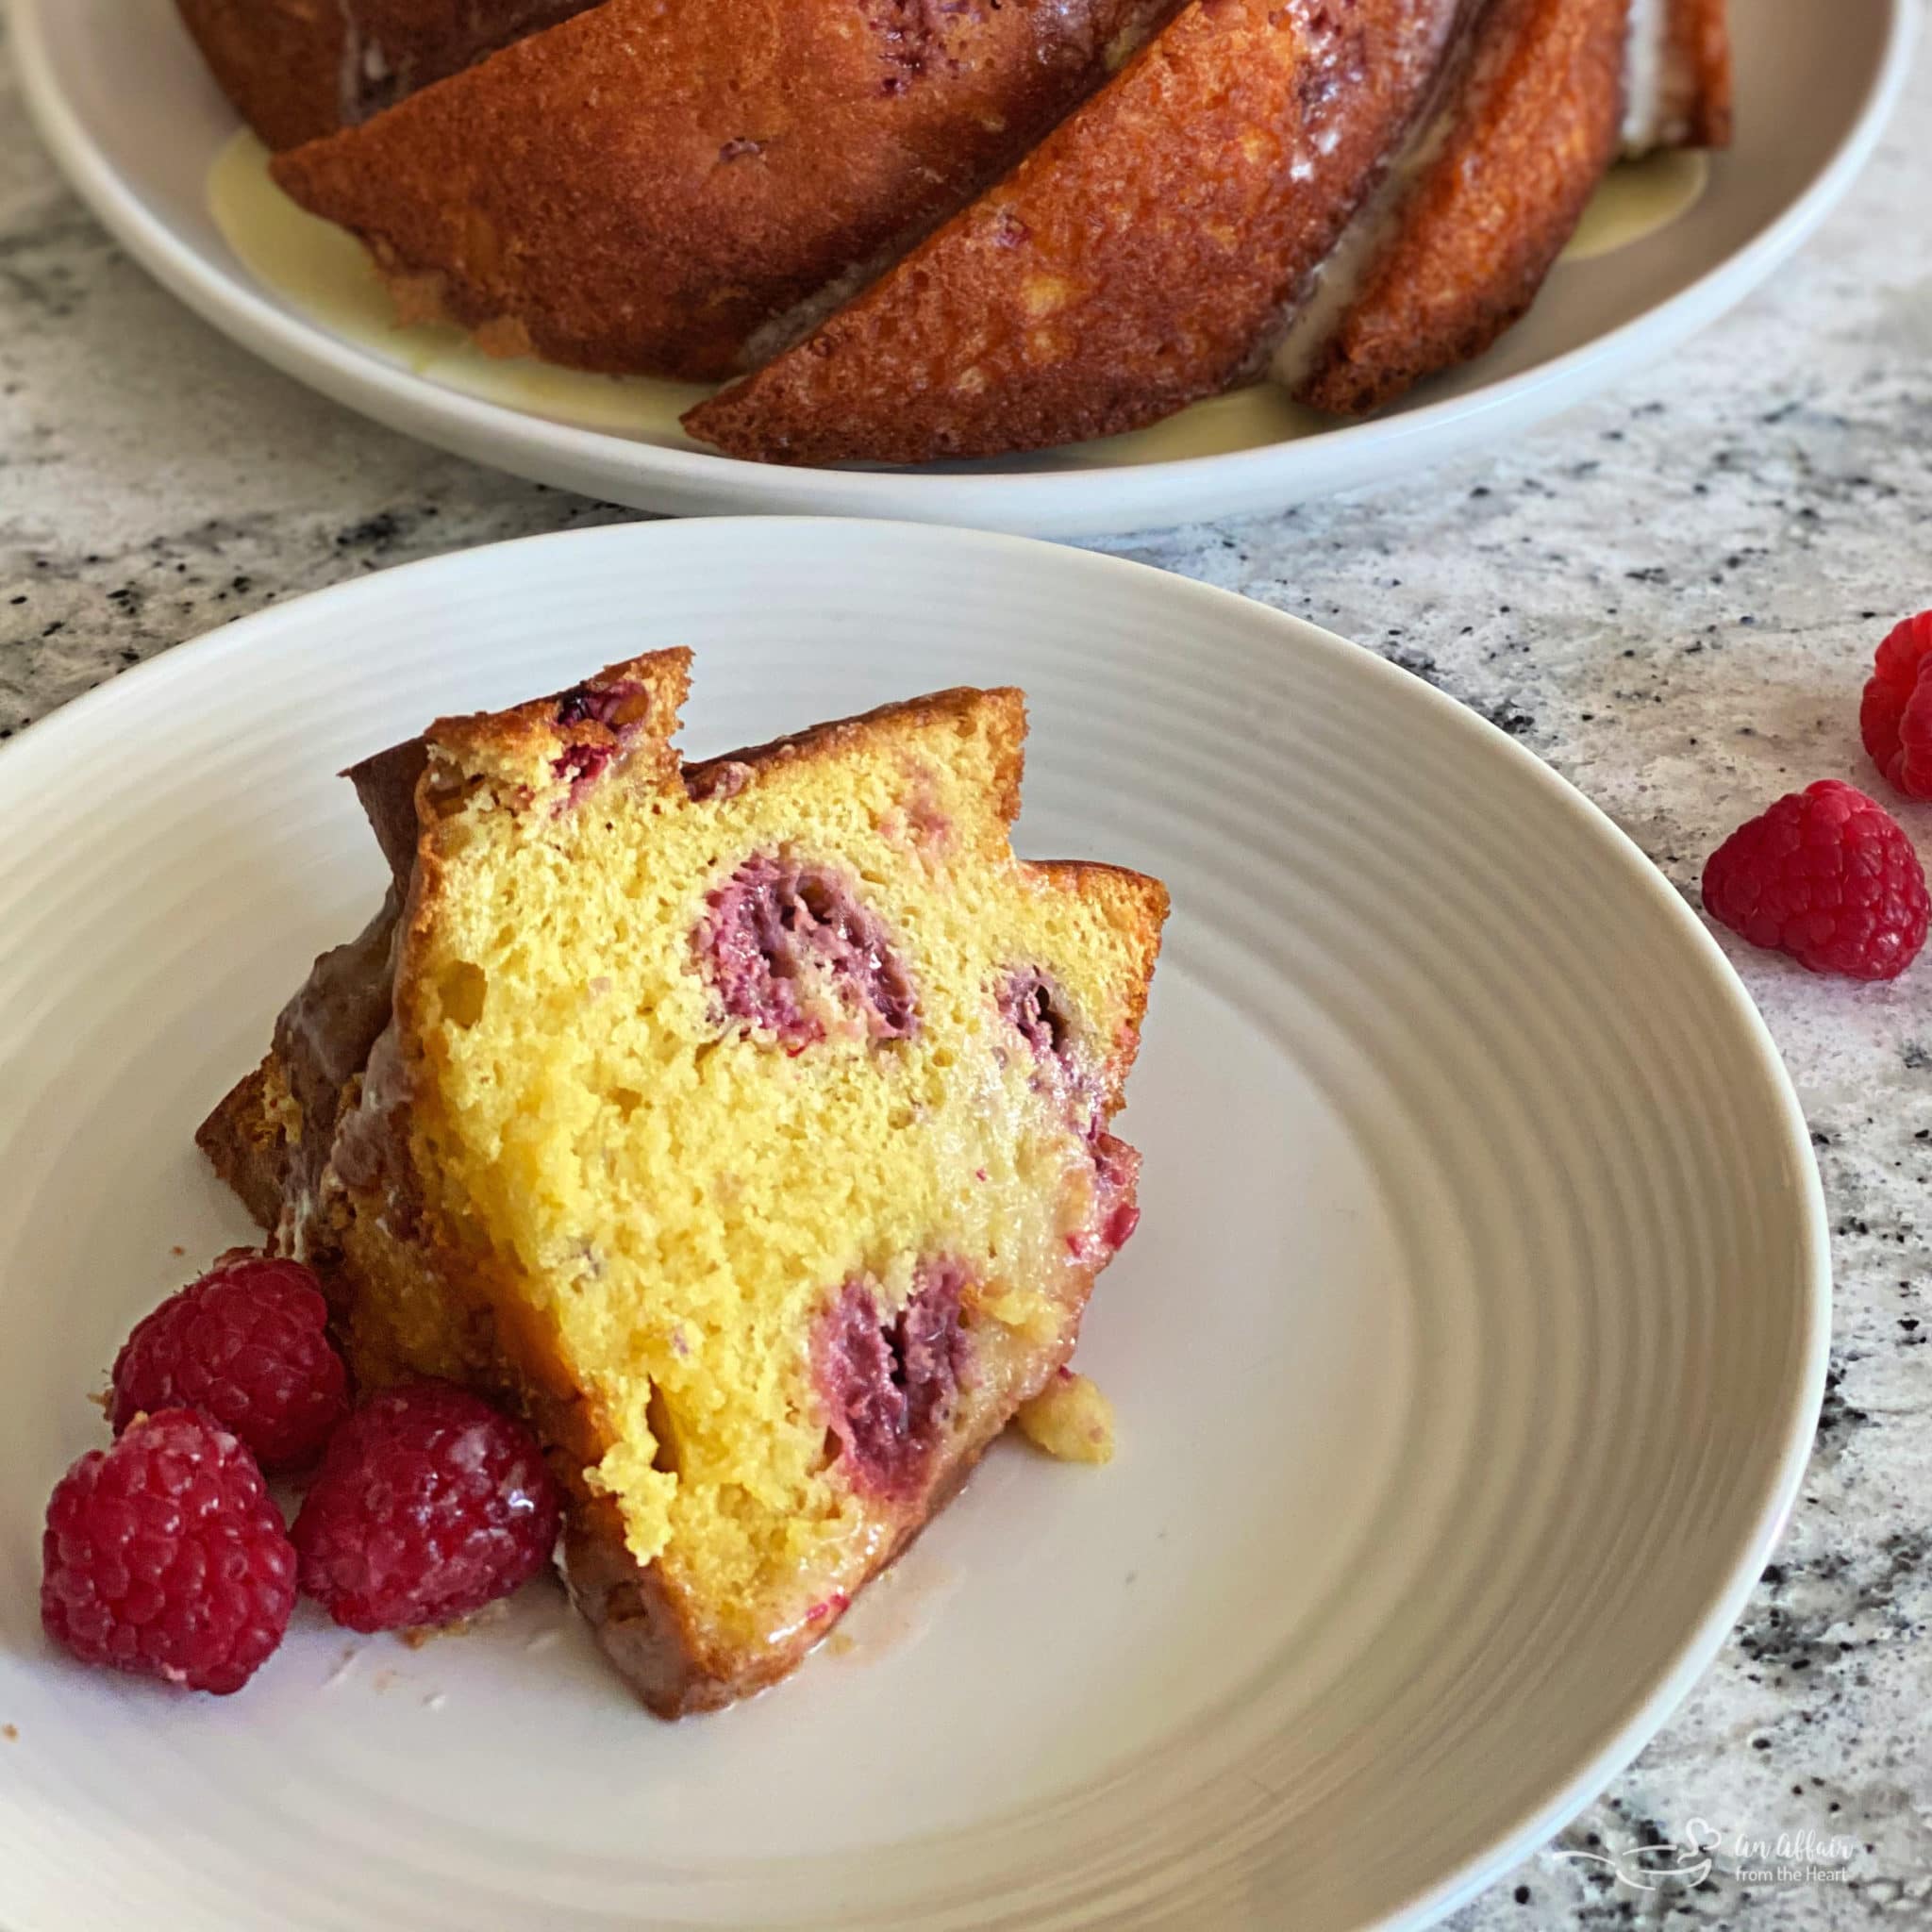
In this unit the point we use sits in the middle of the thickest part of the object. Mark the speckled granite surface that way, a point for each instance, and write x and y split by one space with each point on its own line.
1669 594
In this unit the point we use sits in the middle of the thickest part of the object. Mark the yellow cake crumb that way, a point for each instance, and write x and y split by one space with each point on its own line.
1070 1419
677 1200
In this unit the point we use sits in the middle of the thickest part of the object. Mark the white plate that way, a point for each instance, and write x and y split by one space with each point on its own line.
132 117
1466 1363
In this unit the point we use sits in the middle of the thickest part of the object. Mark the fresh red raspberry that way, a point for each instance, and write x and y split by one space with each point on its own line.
165 1557
247 1344
429 1505
1895 719
1828 876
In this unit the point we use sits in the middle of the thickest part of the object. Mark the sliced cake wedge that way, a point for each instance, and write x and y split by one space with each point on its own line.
1678 82
645 189
744 1125
1480 209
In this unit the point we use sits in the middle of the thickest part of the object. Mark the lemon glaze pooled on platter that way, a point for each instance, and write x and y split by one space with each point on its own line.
920 234
743 1125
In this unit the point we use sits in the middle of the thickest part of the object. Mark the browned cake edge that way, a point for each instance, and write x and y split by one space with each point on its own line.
1698 112
298 70
383 1225
280 61
246 1142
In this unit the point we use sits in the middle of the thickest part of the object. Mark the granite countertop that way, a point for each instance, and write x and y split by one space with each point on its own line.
1671 594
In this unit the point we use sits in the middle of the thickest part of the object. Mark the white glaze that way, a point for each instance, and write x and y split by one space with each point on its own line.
1337 280
1644 75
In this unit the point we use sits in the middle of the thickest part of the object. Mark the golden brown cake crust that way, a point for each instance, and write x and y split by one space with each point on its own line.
1138 258
299 69
1534 123
380 1239
640 189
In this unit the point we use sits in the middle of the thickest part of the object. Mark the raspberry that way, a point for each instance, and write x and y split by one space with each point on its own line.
1896 718
788 946
164 1555
429 1505
584 704
1828 876
246 1346
1031 1002
889 1385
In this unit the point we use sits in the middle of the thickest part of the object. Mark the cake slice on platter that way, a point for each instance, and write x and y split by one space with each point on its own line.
1537 103
745 1125
1677 80
652 189
1474 216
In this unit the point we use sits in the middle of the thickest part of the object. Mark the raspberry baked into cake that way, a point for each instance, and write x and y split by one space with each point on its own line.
744 1125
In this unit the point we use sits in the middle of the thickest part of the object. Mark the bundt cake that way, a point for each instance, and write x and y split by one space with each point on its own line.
1474 211
916 230
744 1125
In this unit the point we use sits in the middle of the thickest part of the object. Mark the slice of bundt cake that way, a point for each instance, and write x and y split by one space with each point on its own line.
647 187
300 68
744 1125
1481 207
1537 100
1678 80
1137 259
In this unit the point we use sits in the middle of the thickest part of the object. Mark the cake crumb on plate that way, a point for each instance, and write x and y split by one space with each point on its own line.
457 1626
1070 1419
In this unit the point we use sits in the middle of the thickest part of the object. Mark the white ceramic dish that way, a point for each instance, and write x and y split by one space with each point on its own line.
1466 1363
132 117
